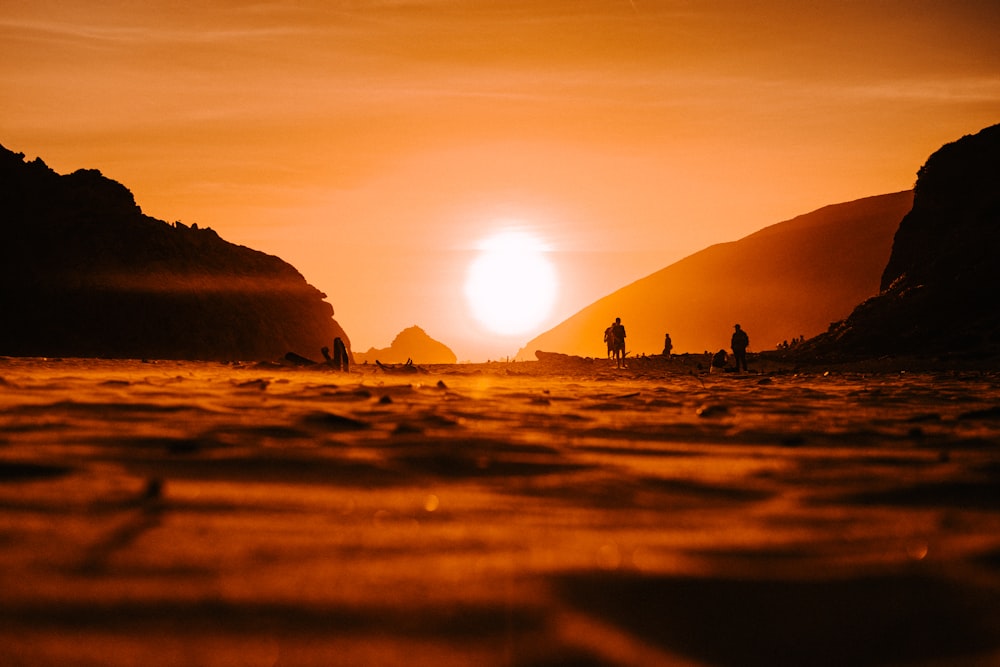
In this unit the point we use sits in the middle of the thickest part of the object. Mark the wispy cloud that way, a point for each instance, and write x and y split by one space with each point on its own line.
135 34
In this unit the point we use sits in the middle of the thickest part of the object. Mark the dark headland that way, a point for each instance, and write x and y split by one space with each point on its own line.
84 273
940 293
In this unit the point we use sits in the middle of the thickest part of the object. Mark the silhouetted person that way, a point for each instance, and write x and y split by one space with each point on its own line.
339 360
718 361
618 341
668 345
609 340
340 352
740 342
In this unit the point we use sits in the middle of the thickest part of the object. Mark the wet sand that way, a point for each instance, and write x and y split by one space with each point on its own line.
181 513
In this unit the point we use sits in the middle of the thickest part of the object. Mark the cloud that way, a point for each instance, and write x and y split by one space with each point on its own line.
128 35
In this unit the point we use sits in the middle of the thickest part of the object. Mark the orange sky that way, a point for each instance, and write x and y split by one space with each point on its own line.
372 144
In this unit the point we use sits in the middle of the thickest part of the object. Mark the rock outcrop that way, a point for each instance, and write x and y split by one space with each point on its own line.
940 288
411 344
84 273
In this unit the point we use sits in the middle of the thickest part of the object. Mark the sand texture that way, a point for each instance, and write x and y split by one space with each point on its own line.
183 513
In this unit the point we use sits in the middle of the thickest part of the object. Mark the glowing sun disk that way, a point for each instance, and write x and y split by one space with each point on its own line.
511 285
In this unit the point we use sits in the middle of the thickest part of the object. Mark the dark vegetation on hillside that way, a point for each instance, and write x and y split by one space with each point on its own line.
83 272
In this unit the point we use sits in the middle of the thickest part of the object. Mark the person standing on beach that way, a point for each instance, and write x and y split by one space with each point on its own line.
609 340
618 341
668 345
740 342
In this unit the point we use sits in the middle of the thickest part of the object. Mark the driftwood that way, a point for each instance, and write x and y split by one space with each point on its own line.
298 360
408 367
560 358
340 359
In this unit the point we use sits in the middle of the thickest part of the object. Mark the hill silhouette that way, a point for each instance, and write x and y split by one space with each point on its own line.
787 280
413 344
940 288
84 273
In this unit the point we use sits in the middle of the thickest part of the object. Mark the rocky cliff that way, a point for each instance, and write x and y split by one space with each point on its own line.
83 272
940 287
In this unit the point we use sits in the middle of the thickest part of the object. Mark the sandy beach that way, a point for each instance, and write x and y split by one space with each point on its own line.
195 513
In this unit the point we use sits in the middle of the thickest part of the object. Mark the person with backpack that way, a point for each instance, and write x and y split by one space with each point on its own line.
618 341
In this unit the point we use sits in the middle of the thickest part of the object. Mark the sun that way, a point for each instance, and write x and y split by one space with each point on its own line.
511 285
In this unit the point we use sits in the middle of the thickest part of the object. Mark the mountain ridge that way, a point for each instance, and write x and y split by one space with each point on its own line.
829 260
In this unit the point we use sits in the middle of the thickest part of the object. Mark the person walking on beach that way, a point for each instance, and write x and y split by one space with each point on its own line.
668 345
740 342
618 341
609 340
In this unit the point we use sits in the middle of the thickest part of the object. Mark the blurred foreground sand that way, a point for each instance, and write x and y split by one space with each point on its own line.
181 513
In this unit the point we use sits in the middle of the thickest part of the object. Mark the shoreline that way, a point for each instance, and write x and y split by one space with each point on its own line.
558 364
